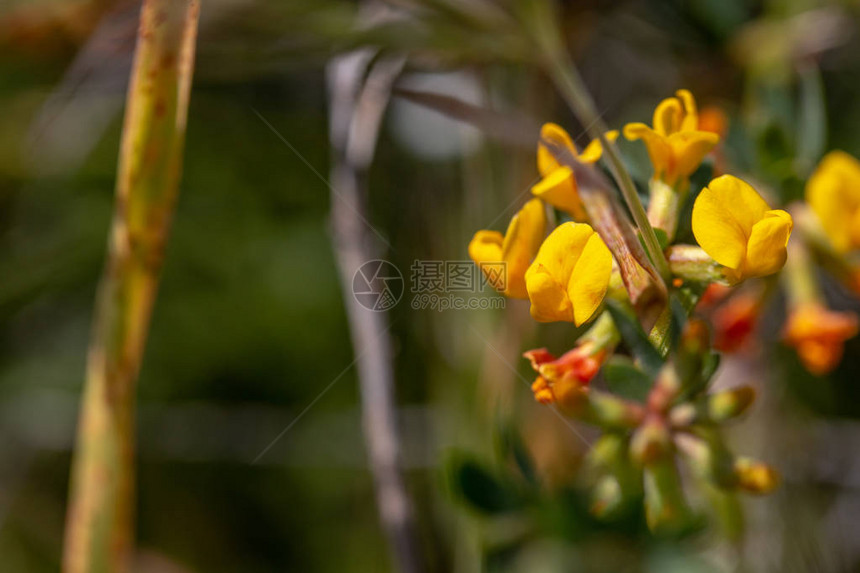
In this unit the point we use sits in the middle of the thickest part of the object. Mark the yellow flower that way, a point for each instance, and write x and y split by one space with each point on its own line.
819 335
558 186
676 144
734 225
505 259
570 275
833 192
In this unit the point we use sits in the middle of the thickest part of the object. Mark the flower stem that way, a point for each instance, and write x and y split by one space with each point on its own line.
98 534
692 263
800 276
664 206
567 80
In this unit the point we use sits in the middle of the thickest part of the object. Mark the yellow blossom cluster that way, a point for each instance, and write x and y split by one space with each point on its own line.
566 275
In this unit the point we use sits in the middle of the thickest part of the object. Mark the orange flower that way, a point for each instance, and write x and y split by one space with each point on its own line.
819 335
564 379
712 118
734 321
714 294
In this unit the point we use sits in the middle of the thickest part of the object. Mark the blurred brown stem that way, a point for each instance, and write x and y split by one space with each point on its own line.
358 99
101 508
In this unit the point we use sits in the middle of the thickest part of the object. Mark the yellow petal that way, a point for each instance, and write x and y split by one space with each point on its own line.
723 217
522 241
691 116
545 159
766 250
559 190
689 149
549 279
485 249
594 150
659 149
562 248
549 301
667 116
486 246
833 192
590 279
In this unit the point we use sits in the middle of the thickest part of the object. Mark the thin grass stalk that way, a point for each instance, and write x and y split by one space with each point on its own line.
561 70
568 82
99 525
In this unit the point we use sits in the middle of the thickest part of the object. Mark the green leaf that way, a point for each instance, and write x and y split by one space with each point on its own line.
709 365
635 338
511 446
625 380
480 488
662 238
678 317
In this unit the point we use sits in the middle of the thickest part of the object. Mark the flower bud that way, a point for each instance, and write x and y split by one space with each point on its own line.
651 442
755 476
723 406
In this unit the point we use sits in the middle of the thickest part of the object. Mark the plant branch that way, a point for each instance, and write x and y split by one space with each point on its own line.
357 106
100 516
561 70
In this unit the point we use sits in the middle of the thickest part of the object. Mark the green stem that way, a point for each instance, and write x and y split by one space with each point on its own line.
602 333
568 81
799 276
666 508
99 528
664 207
692 263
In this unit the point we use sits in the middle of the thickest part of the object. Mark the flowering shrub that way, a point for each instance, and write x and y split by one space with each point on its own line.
592 269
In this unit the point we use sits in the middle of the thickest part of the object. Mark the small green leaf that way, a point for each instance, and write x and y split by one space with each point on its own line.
662 239
709 365
678 319
625 380
477 486
634 337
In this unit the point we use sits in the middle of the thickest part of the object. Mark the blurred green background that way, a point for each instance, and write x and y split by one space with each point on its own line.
250 326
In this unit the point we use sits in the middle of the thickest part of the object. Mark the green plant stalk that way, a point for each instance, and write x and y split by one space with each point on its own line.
692 263
610 412
728 511
561 70
666 509
664 207
799 277
708 456
602 333
98 535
